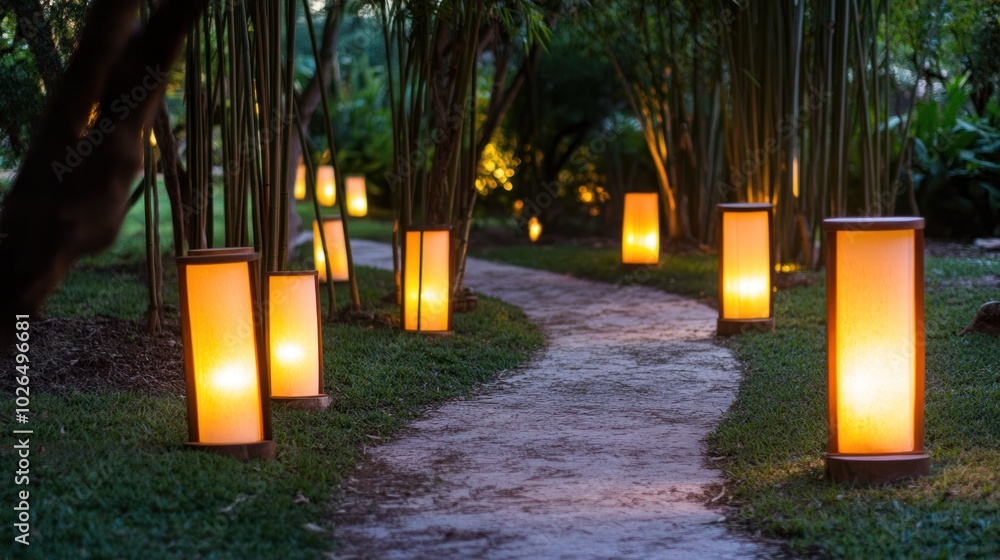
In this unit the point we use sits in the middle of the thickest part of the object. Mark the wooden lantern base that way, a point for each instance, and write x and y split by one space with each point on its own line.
632 267
729 327
318 402
876 469
263 450
434 334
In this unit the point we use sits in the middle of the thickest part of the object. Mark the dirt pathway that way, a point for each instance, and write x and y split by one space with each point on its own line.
593 449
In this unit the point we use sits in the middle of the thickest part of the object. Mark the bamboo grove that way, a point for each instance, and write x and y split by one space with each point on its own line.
785 102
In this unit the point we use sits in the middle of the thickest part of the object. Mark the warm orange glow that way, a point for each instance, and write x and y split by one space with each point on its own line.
326 186
427 281
333 229
746 265
875 341
357 196
534 229
300 182
641 229
293 335
218 305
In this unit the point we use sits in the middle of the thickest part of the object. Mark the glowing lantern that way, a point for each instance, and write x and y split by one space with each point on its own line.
534 229
333 230
427 274
227 387
326 185
295 345
745 269
641 229
300 182
357 196
875 346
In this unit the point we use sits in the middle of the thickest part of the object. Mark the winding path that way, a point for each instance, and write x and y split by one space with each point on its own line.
593 449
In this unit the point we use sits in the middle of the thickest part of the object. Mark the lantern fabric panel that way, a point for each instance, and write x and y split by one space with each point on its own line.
294 336
746 265
641 229
357 196
221 340
427 280
326 185
300 183
336 248
875 341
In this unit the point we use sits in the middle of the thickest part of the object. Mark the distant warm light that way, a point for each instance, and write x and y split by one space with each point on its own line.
641 229
795 177
534 229
357 196
300 182
333 229
326 186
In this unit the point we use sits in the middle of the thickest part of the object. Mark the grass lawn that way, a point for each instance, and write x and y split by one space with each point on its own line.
109 477
692 275
771 442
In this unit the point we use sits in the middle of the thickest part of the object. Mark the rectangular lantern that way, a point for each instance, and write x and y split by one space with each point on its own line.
875 347
746 269
357 196
294 339
326 185
427 274
300 182
227 385
333 230
641 229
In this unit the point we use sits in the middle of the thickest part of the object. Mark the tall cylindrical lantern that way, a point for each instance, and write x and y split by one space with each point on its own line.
746 269
227 386
875 348
326 185
357 195
641 229
333 230
300 182
428 269
294 339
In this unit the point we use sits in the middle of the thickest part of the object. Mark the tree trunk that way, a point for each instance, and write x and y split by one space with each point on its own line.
70 197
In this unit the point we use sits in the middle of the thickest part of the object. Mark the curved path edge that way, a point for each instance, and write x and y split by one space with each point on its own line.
592 449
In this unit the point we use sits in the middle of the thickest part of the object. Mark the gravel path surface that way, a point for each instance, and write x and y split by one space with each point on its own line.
592 449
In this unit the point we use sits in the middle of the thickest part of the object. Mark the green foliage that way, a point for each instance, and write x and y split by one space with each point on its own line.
774 435
22 95
110 478
956 166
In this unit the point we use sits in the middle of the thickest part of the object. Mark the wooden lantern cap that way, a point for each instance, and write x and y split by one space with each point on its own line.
889 223
220 251
313 272
219 256
439 227
744 206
